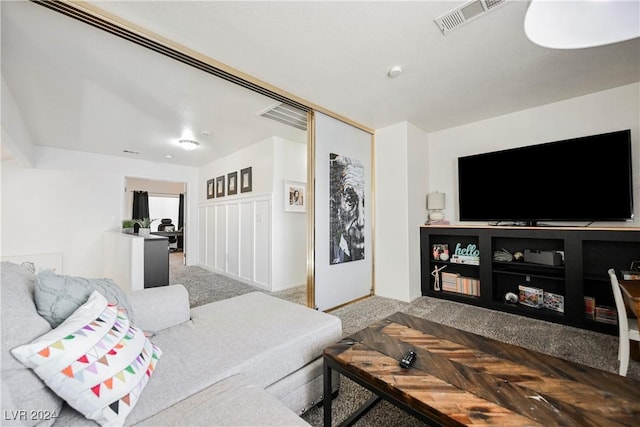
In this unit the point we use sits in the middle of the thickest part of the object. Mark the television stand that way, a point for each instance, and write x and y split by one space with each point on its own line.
473 277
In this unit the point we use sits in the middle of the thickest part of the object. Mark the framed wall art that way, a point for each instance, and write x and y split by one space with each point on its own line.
220 186
295 196
211 183
232 183
245 180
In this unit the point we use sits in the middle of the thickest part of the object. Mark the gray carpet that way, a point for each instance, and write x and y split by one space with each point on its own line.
578 345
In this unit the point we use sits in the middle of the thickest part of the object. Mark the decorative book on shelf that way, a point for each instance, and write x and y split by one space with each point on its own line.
590 308
599 313
606 314
454 282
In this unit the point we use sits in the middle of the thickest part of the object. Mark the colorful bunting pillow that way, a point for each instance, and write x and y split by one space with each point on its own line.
95 360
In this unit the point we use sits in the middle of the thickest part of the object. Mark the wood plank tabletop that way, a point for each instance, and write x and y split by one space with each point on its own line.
460 378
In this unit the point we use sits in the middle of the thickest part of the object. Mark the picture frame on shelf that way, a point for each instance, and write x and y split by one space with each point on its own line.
220 186
232 183
295 196
246 184
211 186
440 251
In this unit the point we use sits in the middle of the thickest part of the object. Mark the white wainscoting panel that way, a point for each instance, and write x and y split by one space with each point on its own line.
211 236
262 244
202 242
221 238
246 240
235 238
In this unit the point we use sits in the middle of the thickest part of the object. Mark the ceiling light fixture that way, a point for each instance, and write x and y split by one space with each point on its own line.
581 24
395 71
189 144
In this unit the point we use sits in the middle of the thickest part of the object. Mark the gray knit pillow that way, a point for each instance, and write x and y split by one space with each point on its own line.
58 297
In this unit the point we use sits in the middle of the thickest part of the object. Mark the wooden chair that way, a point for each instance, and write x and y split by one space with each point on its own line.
628 328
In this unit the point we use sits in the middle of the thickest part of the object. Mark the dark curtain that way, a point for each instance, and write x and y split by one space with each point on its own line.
140 206
181 212
181 220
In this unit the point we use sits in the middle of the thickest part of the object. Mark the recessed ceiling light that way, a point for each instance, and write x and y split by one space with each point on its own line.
168 156
189 144
395 71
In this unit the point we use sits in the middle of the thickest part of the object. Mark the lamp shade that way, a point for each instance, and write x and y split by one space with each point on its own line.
581 24
435 201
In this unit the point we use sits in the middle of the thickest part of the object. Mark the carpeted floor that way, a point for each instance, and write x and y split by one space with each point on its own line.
578 345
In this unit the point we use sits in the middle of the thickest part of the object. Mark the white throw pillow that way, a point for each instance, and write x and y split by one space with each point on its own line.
95 360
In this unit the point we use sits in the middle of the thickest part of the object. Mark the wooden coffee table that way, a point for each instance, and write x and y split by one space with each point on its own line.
460 378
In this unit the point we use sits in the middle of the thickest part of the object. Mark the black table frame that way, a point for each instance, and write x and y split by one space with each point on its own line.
329 365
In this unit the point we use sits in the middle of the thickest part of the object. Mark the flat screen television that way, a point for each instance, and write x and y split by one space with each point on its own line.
579 179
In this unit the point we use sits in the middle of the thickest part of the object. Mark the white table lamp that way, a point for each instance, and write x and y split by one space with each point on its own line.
435 205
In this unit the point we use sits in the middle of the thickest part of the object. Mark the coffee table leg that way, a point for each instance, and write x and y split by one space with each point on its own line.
326 378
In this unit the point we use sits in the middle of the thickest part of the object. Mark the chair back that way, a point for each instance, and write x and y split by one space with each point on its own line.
167 225
623 321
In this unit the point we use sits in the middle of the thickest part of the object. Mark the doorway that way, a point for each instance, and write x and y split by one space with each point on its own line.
166 202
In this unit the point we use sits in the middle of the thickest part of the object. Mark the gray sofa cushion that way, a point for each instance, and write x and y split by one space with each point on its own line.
263 337
22 390
57 297
234 401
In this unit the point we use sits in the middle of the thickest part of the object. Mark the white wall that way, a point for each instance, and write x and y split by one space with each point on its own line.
289 232
391 212
272 160
258 156
417 159
338 284
15 135
69 199
401 187
436 169
606 111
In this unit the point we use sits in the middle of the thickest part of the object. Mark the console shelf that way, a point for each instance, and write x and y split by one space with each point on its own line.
587 255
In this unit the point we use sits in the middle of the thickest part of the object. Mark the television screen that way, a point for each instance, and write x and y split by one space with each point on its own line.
580 179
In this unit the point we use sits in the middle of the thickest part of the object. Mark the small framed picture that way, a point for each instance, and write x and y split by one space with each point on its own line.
245 180
232 183
295 196
211 183
440 251
220 186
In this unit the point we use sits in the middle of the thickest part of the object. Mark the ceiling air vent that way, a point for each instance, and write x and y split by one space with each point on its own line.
286 114
463 14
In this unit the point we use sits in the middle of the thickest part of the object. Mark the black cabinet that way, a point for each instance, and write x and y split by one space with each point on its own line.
156 261
469 273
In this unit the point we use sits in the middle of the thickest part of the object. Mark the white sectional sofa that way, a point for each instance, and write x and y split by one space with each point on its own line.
248 360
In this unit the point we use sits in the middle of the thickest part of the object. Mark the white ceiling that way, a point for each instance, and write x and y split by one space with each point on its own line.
81 89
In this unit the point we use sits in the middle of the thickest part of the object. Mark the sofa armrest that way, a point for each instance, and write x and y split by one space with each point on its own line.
155 309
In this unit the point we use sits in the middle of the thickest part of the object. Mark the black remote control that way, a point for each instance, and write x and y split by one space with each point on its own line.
408 359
